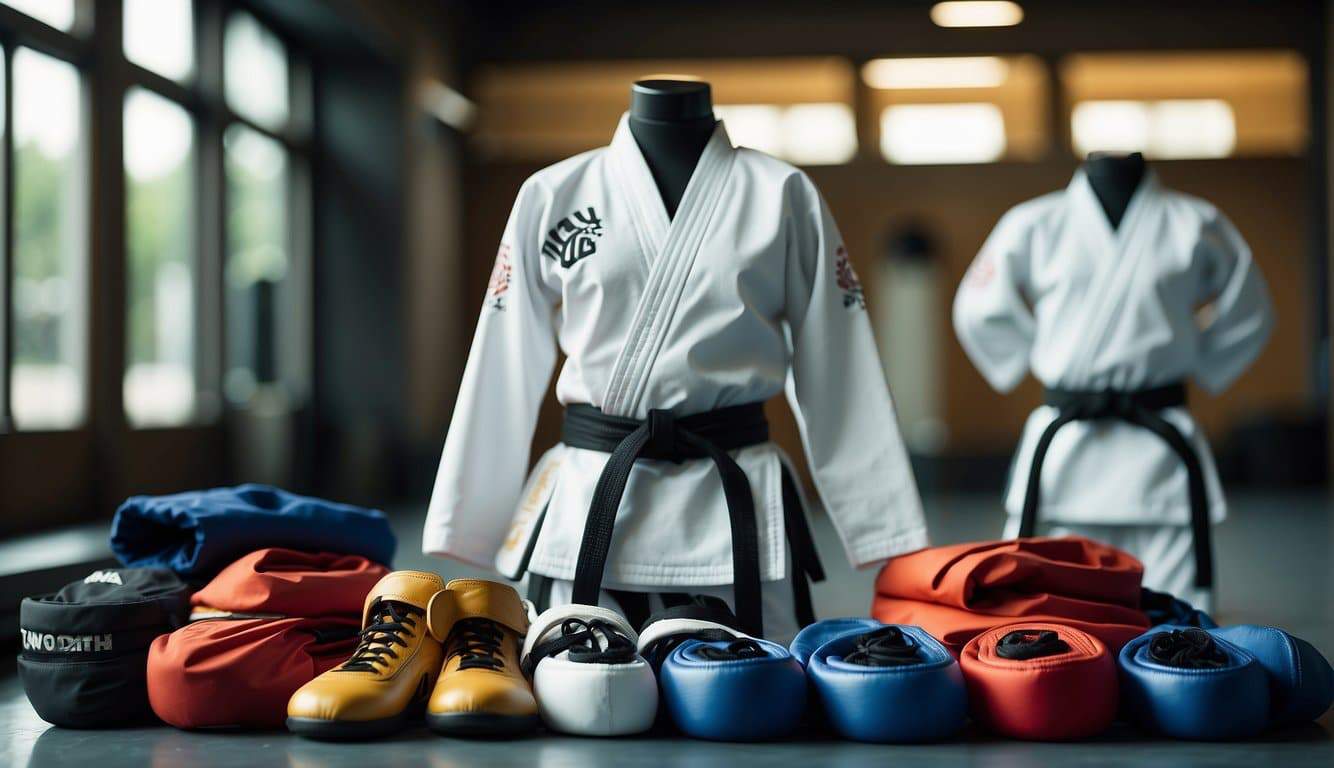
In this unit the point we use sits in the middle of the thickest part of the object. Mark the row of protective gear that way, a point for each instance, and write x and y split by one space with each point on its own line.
210 624
471 645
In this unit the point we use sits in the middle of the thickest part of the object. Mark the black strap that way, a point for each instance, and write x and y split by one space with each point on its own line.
539 591
885 647
1188 649
634 605
663 436
697 608
1141 409
1024 644
806 566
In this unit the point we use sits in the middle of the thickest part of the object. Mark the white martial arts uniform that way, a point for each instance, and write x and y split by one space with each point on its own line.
1056 290
746 292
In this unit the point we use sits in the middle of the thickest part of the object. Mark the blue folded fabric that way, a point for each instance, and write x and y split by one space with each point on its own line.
198 533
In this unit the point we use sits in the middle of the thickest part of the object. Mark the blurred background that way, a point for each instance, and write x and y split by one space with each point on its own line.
248 240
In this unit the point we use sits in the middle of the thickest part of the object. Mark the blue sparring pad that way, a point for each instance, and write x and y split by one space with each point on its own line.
1228 700
198 533
920 697
713 692
1301 683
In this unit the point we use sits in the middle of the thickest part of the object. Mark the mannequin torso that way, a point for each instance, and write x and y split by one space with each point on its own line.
1114 179
671 121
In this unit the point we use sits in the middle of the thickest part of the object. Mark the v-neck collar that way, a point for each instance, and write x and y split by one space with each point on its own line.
654 223
1082 189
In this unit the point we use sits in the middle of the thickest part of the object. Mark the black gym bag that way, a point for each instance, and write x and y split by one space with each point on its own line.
85 648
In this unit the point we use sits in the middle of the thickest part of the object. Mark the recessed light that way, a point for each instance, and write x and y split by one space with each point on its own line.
988 13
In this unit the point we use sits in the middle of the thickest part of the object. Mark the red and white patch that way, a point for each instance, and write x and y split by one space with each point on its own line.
848 282
501 276
981 273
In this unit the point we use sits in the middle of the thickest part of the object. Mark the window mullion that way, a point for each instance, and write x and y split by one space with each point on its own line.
7 249
210 202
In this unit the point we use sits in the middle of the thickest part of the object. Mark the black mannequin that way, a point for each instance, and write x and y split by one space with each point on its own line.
671 121
1114 179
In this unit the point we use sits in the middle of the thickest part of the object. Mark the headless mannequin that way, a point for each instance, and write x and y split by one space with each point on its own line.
671 121
1114 179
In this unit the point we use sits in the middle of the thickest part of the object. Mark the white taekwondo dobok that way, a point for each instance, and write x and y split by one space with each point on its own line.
746 292
1086 307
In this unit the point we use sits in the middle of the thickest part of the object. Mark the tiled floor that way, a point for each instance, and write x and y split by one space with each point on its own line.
1275 567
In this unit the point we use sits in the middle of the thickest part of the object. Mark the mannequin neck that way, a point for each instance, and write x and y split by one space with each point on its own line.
1114 179
671 121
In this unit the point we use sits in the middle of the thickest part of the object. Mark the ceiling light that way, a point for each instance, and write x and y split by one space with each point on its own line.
941 72
993 13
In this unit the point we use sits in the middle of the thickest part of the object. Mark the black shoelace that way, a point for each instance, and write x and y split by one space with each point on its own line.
657 651
740 648
1189 648
1024 644
477 642
589 641
391 621
885 647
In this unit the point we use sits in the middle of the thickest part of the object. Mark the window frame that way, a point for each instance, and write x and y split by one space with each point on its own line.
53 476
95 47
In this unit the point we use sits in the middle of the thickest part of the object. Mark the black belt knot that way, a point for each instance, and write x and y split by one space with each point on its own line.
664 436
1105 405
664 440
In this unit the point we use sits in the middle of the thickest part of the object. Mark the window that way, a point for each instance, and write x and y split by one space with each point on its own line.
159 36
257 258
959 109
1188 104
56 13
50 246
255 70
1176 128
159 388
805 134
207 194
914 134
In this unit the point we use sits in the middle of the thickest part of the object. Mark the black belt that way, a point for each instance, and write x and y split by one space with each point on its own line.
1140 408
664 436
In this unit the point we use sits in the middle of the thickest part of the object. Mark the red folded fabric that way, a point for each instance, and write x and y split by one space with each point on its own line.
239 673
292 583
297 615
959 591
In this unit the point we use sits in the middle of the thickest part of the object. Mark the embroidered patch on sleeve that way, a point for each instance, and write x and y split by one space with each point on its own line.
501 275
848 282
981 273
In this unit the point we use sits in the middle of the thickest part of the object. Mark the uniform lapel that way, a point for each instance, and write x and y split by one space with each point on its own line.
1116 253
670 246
635 182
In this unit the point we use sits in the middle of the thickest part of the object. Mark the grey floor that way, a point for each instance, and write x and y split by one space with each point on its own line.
1275 567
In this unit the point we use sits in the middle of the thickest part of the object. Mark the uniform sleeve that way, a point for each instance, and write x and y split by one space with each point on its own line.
837 391
1242 314
510 363
991 318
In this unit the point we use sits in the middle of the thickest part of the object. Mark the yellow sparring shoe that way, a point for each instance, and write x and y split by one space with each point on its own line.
481 691
388 677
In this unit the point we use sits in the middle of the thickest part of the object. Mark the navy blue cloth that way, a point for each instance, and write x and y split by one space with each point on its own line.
198 533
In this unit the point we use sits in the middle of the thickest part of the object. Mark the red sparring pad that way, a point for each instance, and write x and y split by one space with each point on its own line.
955 592
1070 693
284 617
